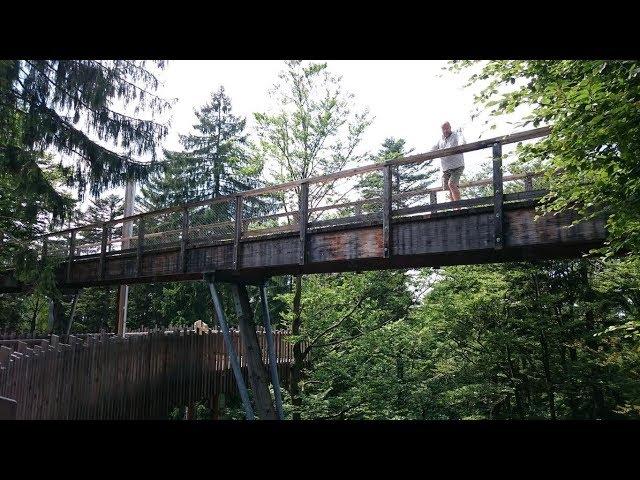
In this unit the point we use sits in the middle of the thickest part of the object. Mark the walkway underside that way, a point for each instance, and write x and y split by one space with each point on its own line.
447 238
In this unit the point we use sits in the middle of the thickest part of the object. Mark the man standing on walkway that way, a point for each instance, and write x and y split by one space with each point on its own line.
453 165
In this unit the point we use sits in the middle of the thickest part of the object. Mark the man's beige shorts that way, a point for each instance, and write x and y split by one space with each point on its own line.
453 174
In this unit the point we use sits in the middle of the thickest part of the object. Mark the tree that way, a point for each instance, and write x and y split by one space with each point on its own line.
66 108
51 97
312 131
350 354
590 157
213 164
405 178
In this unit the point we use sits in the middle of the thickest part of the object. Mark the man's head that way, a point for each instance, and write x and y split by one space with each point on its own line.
446 129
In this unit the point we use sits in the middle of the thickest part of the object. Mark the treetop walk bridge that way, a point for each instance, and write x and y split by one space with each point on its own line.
364 218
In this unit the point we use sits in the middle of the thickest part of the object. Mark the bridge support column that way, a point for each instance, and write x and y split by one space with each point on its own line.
257 371
235 364
273 361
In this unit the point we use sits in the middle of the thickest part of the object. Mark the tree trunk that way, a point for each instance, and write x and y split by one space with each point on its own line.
298 357
516 389
35 316
258 377
547 375
57 311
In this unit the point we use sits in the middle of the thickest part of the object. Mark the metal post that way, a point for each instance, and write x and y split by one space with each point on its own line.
72 249
386 211
303 219
127 233
273 361
238 233
226 335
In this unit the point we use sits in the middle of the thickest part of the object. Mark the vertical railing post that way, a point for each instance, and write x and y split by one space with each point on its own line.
184 240
303 220
386 211
238 233
498 196
433 200
72 251
140 246
528 183
103 251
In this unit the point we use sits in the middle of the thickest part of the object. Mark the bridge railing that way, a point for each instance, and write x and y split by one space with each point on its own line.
380 193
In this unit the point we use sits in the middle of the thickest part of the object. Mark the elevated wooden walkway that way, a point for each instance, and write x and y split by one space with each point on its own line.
364 218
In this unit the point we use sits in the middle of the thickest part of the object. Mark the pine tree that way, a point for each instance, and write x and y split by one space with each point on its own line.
405 178
213 164
65 106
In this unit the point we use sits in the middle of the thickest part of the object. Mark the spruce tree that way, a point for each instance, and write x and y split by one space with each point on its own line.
65 107
214 162
405 178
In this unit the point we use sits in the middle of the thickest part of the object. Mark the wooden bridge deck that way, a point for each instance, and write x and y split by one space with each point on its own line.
325 224
462 237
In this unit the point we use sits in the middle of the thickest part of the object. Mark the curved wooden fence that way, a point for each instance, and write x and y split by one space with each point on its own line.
140 376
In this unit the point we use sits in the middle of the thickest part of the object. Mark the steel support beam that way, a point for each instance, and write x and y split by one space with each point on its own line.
233 357
273 361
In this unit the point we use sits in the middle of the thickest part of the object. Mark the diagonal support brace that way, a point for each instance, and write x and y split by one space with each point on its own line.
273 361
233 357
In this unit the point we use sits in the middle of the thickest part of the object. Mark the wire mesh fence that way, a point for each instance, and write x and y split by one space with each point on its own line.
212 222
271 212
162 229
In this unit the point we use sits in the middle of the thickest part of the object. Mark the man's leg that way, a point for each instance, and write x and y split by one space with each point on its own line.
454 182
454 191
446 176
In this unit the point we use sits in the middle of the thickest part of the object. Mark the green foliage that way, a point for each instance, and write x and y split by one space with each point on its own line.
312 130
215 162
347 320
590 157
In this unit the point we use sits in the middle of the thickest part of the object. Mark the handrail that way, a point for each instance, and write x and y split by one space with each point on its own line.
418 158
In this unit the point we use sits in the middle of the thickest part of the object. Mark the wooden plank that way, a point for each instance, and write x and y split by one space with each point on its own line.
238 233
467 202
386 212
498 197
8 408
526 195
528 182
303 222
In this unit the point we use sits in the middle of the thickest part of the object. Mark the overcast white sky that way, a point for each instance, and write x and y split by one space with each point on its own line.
408 98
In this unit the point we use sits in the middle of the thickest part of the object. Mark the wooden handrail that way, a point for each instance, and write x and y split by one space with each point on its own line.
396 196
419 158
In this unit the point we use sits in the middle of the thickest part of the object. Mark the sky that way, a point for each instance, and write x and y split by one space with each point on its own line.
408 99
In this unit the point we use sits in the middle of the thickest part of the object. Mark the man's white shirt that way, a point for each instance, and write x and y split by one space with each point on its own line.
452 161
